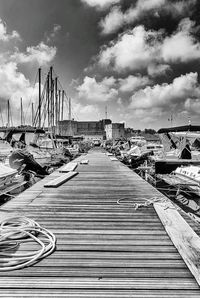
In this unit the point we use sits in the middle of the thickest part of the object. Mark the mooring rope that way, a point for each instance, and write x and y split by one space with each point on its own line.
16 231
148 202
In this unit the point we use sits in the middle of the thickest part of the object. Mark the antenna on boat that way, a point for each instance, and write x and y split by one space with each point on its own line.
171 119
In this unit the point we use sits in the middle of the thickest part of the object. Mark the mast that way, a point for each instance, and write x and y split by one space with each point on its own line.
21 112
48 102
59 101
70 118
56 104
33 114
63 94
8 125
39 106
69 109
106 112
51 97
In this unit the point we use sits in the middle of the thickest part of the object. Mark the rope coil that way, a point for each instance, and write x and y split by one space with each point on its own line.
17 231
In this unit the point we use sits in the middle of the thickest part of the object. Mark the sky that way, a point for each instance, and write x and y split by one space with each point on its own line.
139 60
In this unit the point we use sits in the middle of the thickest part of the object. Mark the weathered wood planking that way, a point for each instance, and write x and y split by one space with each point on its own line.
71 166
60 180
103 249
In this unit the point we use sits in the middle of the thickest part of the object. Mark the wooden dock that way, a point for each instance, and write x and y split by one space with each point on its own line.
105 249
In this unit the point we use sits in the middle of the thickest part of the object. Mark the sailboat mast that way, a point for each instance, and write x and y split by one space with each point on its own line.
70 109
63 94
21 112
48 101
56 104
51 97
32 114
8 113
59 101
39 105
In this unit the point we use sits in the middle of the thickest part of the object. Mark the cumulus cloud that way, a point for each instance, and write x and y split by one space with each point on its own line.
87 111
156 69
4 35
14 84
140 49
94 91
192 105
132 83
133 50
42 54
167 95
185 46
110 24
100 4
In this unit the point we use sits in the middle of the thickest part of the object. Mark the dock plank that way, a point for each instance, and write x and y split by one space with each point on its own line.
103 249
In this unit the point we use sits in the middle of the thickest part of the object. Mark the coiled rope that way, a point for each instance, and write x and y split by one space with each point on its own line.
16 231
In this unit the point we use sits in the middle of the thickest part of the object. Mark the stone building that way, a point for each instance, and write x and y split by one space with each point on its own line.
115 131
88 129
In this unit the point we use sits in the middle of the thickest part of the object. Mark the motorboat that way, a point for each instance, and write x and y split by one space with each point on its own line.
179 149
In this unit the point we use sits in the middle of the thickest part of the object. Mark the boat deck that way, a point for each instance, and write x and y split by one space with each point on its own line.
105 249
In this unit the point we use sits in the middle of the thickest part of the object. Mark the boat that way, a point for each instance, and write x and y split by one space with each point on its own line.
179 148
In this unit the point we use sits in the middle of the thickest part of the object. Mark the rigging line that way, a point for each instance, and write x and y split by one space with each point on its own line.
42 99
1 117
74 114
30 99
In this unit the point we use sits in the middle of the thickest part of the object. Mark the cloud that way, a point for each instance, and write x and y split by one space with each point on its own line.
166 96
192 105
5 36
139 49
132 83
94 91
14 86
133 50
87 111
113 21
42 54
156 69
185 46
100 4
54 32
116 19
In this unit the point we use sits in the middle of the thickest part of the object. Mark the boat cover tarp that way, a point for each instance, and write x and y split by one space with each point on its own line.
180 128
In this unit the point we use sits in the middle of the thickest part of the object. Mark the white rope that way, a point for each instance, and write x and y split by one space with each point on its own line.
165 203
16 231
